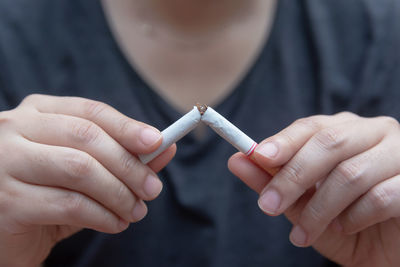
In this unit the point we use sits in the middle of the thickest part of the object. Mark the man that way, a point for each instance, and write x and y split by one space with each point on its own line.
70 163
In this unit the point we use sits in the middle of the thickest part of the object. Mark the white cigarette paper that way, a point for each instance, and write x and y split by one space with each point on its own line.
174 132
209 116
229 132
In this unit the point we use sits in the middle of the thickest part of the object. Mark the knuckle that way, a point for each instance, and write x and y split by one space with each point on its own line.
78 165
85 131
347 114
134 171
124 199
288 139
122 193
350 222
129 164
317 215
329 138
389 122
294 173
32 98
381 198
72 204
312 122
92 109
124 125
349 173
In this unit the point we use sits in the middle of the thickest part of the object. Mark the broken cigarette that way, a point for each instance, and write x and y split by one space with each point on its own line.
233 135
229 132
174 132
217 122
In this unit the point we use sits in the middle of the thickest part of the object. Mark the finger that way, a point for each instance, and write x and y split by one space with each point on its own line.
316 159
256 178
40 205
162 160
381 203
344 185
74 170
252 175
280 148
81 134
135 136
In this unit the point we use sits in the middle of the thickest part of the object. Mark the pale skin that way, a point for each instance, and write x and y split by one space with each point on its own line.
56 178
339 185
65 169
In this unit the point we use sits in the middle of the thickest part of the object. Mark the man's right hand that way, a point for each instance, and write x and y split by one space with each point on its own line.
69 163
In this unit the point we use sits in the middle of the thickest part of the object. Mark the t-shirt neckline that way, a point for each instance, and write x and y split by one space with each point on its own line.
153 96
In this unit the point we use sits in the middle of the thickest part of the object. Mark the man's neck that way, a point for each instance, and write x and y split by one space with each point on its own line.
186 18
191 51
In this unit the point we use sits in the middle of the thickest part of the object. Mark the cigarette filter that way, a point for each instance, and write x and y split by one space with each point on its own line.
174 132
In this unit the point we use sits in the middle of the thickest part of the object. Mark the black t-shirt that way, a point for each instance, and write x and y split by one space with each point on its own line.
322 57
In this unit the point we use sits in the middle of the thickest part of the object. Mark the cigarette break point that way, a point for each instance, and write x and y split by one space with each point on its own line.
202 108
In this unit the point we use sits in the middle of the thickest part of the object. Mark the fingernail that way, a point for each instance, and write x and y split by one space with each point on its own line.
149 136
268 150
139 211
270 201
152 186
298 237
